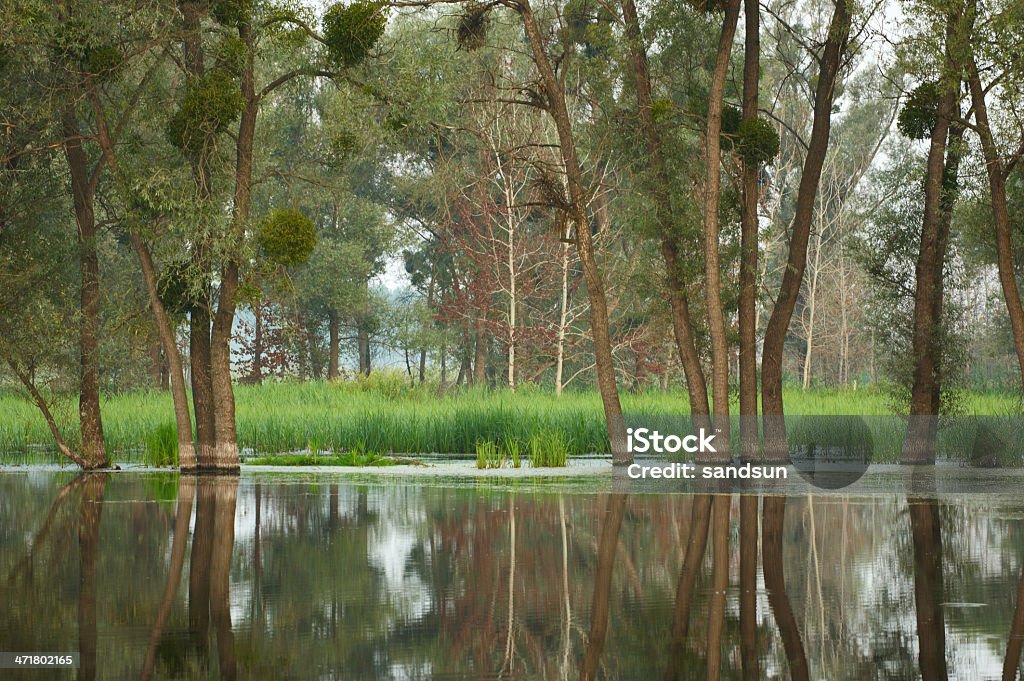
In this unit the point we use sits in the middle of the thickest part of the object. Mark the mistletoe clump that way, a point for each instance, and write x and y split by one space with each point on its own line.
287 237
729 127
471 31
231 55
350 32
589 24
175 289
917 118
210 105
231 12
757 141
102 61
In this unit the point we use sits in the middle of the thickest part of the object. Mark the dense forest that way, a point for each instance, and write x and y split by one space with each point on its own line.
593 195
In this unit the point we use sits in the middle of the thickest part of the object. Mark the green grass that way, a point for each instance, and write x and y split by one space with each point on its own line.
324 459
548 450
384 415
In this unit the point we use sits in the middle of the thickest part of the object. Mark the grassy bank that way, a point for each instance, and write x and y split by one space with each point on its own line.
383 415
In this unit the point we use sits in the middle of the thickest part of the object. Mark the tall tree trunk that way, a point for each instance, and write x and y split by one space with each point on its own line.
943 158
719 584
713 273
749 241
997 174
334 345
682 326
563 314
256 375
812 305
578 202
480 354
83 188
202 387
226 493
782 313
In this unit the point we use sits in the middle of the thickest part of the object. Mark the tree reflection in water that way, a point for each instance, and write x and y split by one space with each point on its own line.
221 578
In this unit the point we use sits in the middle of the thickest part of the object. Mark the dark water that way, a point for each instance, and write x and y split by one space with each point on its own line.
149 576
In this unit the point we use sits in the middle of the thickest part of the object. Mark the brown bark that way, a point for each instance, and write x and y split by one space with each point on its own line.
943 158
554 96
713 273
772 565
480 354
698 538
682 326
334 346
256 375
226 494
926 527
600 604
83 187
997 174
202 388
749 243
792 278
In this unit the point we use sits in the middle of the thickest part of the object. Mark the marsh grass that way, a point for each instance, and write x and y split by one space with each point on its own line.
382 414
489 455
351 458
548 450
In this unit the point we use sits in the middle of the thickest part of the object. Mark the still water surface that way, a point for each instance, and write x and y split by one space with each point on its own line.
150 576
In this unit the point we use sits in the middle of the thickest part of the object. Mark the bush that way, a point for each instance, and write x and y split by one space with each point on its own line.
917 117
350 32
287 237
756 141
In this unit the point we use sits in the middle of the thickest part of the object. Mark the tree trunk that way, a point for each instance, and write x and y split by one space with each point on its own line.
749 242
782 313
713 273
202 388
1001 215
334 346
578 201
748 587
44 409
480 354
563 313
256 375
812 304
83 187
682 326
919 445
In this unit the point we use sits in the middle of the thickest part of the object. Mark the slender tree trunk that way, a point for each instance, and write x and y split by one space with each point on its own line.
682 326
256 376
202 388
1001 215
749 241
812 304
363 346
782 313
51 423
713 273
919 445
578 200
334 345
563 313
480 354
90 418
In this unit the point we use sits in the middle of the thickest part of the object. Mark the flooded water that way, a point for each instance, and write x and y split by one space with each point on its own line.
152 576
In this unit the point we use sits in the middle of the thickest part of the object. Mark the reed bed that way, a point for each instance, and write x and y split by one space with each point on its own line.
385 415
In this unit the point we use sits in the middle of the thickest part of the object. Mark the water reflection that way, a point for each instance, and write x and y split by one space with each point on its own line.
160 577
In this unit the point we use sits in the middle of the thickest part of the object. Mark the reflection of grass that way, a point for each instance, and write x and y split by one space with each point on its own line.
384 414
324 459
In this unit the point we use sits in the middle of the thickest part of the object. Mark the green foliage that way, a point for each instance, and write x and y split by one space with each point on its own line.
588 23
917 117
231 12
489 455
103 61
211 103
287 237
230 55
349 458
731 118
350 32
548 449
662 110
175 289
757 141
